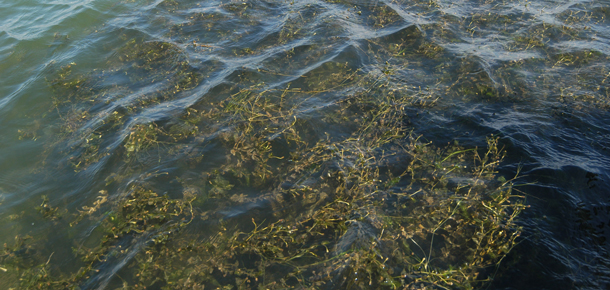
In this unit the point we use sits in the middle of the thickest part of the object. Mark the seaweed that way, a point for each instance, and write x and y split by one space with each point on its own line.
318 180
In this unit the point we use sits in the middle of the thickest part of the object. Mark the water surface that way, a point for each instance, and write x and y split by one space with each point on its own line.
101 101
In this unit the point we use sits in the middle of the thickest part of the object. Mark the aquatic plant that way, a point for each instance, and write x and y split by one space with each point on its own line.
375 206
348 225
302 170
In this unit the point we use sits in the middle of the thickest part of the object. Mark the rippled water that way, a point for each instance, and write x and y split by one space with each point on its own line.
101 96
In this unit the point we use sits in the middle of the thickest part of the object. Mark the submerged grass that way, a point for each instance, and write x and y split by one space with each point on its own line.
373 206
302 170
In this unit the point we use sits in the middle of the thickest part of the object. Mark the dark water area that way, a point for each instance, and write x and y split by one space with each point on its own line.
184 144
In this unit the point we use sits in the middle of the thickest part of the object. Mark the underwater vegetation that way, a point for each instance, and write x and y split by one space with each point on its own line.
373 205
226 163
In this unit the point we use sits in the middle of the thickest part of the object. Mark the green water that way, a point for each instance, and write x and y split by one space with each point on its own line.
186 144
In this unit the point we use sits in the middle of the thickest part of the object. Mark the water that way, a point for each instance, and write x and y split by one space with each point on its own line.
101 101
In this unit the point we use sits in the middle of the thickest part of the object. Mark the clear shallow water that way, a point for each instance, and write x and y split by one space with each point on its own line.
101 95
